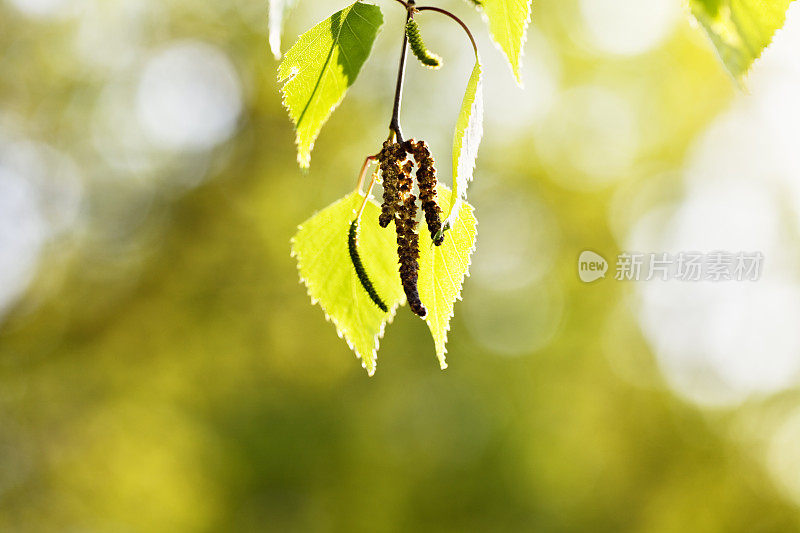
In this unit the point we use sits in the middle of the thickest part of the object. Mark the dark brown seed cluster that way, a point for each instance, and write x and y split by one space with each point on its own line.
400 206
390 159
408 253
426 181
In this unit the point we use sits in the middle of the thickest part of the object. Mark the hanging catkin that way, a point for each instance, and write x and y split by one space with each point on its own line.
408 253
389 160
361 272
426 181
400 206
425 56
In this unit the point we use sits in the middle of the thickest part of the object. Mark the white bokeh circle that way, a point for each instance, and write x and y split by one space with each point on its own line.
189 97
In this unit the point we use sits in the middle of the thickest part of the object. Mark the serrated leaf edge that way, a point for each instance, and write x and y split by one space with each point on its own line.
442 356
740 80
459 196
306 162
329 318
516 70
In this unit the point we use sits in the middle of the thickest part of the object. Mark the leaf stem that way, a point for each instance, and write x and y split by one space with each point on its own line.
367 161
366 196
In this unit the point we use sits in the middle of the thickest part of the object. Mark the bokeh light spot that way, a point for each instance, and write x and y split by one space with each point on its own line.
590 138
189 97
629 28
517 322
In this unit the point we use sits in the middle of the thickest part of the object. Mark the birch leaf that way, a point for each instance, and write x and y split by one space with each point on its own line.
466 140
508 23
740 29
321 66
443 269
323 260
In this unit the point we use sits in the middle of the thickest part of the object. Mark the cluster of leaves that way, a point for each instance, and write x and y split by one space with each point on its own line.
326 60
316 73
320 247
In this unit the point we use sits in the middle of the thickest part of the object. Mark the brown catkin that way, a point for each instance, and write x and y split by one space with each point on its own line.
390 157
400 206
426 181
408 253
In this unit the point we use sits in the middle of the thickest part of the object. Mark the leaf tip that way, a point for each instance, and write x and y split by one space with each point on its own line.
304 149
275 46
518 77
304 160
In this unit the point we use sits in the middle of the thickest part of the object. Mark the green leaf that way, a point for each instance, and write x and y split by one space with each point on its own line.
320 67
277 13
443 269
323 260
466 140
740 29
508 21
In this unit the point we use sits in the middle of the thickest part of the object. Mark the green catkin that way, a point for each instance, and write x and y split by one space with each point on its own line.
425 56
352 244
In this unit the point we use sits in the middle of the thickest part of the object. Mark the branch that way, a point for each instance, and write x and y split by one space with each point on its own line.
411 8
394 124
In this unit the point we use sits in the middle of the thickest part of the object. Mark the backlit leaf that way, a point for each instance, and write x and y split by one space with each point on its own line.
323 261
322 65
466 140
443 269
740 29
508 23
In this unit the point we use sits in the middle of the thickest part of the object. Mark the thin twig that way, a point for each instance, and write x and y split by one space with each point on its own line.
411 8
394 124
452 16
363 172
366 196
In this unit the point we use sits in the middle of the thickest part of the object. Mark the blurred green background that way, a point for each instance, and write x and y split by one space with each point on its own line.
161 368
